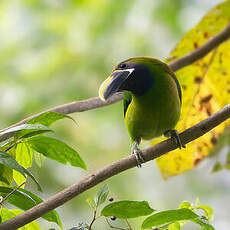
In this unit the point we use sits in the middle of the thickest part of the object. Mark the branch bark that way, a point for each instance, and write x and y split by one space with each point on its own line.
93 103
114 169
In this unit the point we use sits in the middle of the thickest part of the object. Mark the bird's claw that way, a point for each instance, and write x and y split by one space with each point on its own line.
138 154
175 136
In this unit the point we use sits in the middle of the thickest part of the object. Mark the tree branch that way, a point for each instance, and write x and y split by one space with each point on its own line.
92 103
203 50
115 168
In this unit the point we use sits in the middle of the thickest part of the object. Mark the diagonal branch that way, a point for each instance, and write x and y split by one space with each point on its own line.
92 103
113 169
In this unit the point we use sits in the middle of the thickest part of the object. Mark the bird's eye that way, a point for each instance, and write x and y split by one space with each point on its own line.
122 66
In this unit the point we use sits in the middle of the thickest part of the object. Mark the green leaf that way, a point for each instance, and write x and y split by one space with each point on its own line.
39 159
24 157
25 129
25 200
6 175
91 203
168 217
8 214
18 198
203 223
127 209
227 166
8 161
228 158
207 210
174 226
217 167
56 150
101 195
48 118
185 204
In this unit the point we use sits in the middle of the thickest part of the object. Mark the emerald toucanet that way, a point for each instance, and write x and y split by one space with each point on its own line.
152 99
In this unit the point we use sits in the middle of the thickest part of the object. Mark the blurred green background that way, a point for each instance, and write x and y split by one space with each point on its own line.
54 51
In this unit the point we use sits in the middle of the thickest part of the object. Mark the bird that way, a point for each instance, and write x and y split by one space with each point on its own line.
152 100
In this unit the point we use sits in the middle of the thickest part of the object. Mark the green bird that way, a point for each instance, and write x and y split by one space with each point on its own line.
152 99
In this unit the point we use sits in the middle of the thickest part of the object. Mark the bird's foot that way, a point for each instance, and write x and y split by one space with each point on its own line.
138 154
175 136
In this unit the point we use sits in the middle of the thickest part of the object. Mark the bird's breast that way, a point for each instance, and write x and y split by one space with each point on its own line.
152 114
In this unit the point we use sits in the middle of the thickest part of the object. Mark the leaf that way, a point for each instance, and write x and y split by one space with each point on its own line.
56 150
39 159
25 200
101 195
24 157
8 214
208 211
217 167
8 161
18 198
6 175
174 226
203 223
48 118
205 89
221 143
168 217
127 209
91 203
228 158
24 130
185 204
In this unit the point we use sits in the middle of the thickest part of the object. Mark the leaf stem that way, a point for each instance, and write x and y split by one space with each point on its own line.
93 220
12 145
12 192
127 222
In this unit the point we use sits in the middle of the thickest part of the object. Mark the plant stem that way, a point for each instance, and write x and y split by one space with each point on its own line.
127 222
11 146
13 191
93 220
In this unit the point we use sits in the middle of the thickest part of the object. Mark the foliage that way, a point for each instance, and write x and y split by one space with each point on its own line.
169 219
50 51
23 199
8 214
205 89
27 139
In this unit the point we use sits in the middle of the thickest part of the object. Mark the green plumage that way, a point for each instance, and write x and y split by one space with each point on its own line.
156 111
152 97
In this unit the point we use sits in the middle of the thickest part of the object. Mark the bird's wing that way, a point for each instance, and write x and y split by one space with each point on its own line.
178 85
126 101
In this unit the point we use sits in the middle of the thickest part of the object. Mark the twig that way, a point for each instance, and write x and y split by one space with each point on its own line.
93 103
115 168
111 226
203 50
93 220
12 145
127 222
13 191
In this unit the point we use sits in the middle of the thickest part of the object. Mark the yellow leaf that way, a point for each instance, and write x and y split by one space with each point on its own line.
24 156
8 214
205 89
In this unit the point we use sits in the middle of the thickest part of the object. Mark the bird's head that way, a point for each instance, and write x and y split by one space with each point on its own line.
133 75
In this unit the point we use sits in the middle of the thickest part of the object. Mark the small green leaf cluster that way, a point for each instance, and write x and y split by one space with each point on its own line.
16 155
170 219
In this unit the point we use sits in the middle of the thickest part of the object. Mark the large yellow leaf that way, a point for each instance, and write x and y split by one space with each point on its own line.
205 89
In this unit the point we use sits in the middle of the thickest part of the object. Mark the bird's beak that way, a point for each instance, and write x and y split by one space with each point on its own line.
113 83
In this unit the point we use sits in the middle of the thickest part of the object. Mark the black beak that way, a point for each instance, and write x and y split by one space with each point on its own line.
113 83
